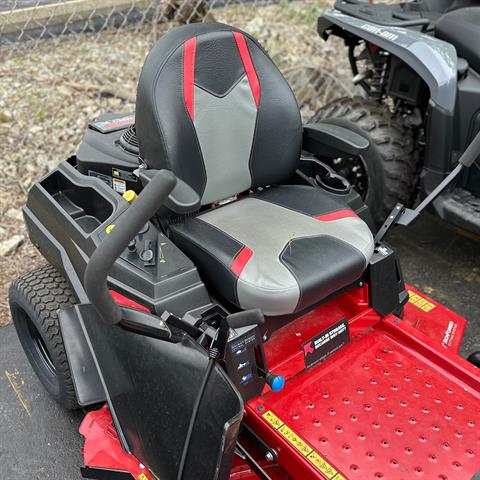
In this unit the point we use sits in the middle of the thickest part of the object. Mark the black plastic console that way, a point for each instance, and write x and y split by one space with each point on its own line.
68 214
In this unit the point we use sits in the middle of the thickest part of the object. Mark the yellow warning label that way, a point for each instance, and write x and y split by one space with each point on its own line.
295 440
302 446
272 419
142 476
420 302
322 465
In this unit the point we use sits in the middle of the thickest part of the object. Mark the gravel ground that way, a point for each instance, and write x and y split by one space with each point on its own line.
50 90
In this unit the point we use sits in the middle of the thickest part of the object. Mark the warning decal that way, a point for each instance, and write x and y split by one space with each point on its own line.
104 178
124 175
119 185
302 446
420 302
326 343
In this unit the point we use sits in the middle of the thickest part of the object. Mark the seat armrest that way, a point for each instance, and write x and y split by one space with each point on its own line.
183 199
330 140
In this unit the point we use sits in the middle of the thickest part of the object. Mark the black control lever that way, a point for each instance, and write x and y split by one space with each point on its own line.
145 324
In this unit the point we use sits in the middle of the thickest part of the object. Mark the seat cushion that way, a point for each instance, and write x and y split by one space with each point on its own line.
282 250
462 28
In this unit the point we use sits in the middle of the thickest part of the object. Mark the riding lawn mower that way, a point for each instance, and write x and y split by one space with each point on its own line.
217 298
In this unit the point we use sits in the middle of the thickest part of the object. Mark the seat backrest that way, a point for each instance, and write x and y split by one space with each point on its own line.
213 108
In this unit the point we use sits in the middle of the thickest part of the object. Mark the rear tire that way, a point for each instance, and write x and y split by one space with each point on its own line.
35 299
390 163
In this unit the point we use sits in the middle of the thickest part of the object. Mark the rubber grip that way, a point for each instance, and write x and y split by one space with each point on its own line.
105 255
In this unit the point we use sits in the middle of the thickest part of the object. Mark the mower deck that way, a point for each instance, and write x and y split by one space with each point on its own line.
392 404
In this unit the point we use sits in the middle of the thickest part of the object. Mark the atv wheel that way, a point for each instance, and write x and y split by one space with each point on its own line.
387 172
35 299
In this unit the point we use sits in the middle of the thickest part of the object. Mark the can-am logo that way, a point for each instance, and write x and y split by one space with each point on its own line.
449 334
379 31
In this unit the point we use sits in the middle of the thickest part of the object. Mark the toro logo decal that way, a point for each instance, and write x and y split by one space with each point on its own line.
449 334
308 348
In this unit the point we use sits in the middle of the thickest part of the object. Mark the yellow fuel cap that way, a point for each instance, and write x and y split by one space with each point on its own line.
130 196
109 229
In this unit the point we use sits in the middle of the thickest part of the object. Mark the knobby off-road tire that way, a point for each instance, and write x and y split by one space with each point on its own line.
35 299
390 162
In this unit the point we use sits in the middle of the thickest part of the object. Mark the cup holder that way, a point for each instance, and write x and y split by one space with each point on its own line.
323 176
334 183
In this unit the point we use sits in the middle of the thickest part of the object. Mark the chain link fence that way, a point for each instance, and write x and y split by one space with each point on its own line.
63 63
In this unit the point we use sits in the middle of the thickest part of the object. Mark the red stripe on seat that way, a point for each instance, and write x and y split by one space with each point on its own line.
239 262
248 65
328 217
189 48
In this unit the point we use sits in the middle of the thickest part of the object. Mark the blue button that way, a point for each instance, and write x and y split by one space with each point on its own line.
278 383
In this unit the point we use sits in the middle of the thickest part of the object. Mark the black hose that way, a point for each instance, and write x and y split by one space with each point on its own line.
193 417
105 255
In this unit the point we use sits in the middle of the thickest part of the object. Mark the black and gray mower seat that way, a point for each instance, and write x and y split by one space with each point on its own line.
213 108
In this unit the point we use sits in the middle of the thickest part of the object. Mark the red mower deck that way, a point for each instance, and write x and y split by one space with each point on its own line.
392 404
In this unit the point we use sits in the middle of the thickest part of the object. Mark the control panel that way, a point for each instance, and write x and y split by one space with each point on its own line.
157 272
146 248
244 360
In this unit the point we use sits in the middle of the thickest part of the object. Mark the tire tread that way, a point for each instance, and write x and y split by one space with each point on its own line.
47 291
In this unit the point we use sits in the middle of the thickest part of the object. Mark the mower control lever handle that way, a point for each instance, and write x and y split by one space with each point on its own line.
105 255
